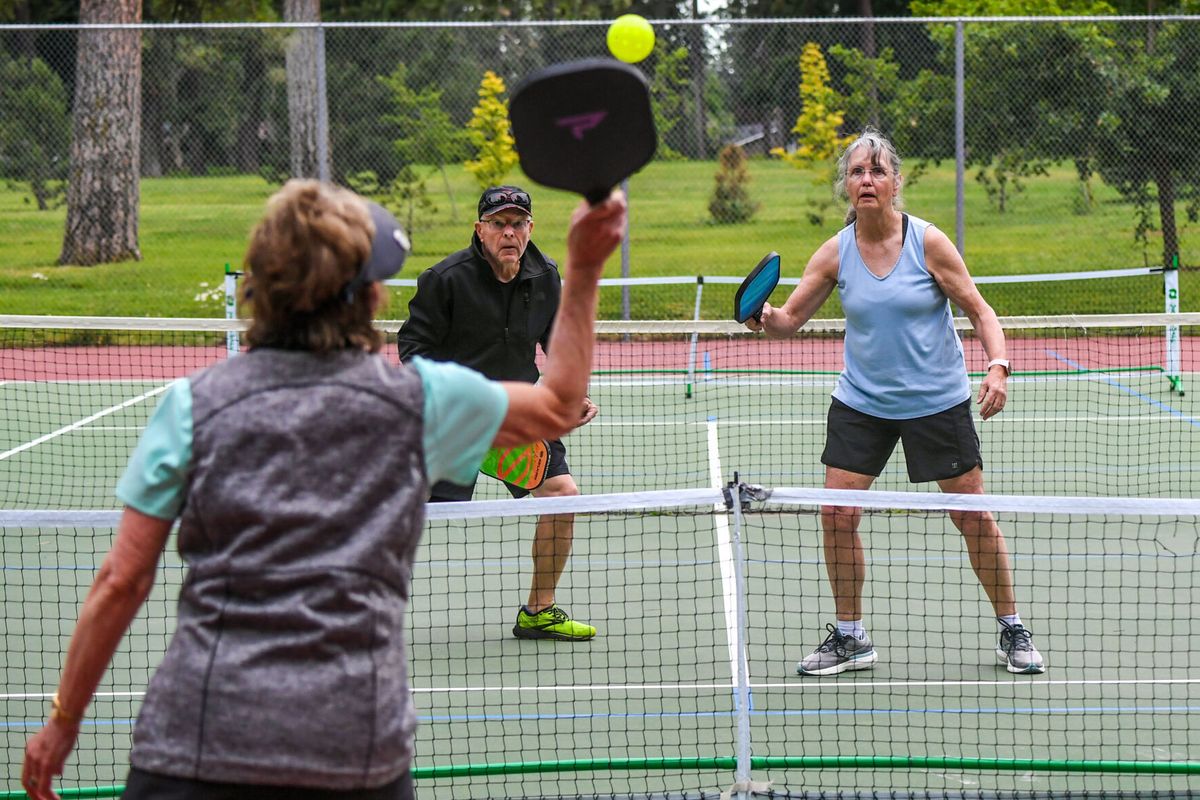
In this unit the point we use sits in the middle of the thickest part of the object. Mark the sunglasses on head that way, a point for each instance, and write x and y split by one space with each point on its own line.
505 196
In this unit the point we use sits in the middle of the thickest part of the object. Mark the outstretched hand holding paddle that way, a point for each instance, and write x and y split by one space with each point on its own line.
583 126
752 295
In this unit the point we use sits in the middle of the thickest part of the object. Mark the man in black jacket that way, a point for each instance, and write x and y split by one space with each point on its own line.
488 307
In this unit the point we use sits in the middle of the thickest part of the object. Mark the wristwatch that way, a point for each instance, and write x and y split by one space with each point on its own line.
1002 362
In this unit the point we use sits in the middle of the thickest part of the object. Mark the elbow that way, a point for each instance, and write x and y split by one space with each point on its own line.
550 419
556 420
117 587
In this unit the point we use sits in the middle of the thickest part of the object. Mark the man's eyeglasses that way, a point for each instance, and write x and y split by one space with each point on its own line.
498 225
503 196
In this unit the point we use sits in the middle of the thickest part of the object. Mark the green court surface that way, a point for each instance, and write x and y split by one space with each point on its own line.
1110 599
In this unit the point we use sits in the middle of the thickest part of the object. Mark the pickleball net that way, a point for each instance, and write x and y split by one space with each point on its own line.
705 599
654 706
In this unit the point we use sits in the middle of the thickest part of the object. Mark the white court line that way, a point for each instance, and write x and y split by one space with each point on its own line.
110 428
82 422
724 554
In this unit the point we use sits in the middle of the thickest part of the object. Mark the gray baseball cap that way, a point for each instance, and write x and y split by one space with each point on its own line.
389 248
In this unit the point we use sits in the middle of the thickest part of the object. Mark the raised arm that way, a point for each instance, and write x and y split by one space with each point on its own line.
121 586
817 283
950 271
551 408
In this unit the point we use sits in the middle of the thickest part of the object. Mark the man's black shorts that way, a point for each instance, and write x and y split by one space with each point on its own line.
446 492
940 446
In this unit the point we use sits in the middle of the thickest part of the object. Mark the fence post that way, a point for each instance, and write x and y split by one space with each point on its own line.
960 141
322 110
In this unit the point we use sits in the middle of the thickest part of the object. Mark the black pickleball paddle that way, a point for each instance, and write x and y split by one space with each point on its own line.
583 126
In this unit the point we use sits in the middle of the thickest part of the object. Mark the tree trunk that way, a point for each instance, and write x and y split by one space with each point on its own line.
1150 9
247 156
1166 211
776 132
102 191
303 94
26 39
160 103
868 42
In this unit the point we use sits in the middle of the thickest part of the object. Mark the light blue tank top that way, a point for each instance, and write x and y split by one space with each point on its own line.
903 358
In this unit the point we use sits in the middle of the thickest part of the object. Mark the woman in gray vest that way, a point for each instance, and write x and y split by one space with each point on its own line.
298 474
904 379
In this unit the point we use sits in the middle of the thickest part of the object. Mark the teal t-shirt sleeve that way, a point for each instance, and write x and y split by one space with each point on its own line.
155 480
463 412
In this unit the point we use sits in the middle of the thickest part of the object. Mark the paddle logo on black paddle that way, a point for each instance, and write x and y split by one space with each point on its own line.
583 126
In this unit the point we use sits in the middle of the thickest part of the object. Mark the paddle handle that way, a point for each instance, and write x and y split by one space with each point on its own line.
597 196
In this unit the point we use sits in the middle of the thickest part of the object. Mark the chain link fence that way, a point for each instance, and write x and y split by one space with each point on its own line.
1048 145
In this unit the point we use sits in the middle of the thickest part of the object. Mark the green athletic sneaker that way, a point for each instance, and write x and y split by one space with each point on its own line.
551 623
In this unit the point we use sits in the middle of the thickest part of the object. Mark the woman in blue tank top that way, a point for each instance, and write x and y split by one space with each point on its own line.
299 517
904 379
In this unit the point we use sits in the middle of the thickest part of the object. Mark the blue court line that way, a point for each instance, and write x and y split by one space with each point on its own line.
971 711
834 712
1161 406
962 558
36 724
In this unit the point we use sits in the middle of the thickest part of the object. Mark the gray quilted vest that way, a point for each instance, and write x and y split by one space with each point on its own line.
305 505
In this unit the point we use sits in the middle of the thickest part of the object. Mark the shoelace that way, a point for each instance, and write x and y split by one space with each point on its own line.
835 642
557 615
1017 637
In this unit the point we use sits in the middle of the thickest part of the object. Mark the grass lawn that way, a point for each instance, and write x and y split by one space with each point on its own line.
191 227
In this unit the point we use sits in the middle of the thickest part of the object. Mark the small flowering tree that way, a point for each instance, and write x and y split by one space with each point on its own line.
818 142
488 131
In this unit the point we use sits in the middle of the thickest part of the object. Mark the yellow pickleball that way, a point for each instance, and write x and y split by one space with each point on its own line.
630 38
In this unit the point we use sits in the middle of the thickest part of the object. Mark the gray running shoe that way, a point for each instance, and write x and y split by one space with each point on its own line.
1016 650
838 653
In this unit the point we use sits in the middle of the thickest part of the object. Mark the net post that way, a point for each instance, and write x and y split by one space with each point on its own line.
691 367
737 500
1171 296
232 340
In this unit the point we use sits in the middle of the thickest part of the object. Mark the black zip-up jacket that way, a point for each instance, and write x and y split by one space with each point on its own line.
460 314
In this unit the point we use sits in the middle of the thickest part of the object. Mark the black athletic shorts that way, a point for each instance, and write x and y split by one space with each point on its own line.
142 785
940 446
447 492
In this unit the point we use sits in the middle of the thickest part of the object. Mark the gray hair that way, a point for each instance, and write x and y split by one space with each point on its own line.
882 151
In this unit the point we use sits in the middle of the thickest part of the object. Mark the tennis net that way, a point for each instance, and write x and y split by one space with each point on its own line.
704 600
1096 405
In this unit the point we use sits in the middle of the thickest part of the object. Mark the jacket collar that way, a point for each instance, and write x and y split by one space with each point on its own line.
533 262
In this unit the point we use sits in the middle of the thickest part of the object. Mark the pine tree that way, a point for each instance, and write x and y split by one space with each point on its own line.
730 202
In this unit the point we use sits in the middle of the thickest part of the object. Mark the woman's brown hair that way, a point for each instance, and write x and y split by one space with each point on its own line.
303 255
